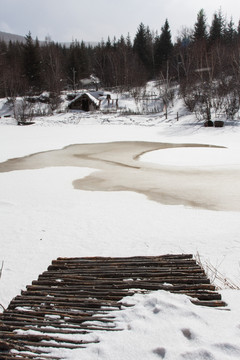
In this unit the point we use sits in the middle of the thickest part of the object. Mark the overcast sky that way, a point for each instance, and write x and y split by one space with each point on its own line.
94 20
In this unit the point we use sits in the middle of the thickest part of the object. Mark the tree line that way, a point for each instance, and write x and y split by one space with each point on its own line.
204 61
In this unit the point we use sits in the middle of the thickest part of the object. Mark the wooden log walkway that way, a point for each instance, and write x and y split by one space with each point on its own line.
74 298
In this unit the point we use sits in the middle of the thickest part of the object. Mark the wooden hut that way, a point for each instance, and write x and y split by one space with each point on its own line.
84 102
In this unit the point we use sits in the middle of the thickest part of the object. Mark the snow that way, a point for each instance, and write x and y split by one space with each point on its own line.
163 325
43 217
196 157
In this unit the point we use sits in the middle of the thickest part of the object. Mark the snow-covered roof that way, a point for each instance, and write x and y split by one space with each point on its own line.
94 96
91 97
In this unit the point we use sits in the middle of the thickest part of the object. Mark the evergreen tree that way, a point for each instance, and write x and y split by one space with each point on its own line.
230 33
200 27
143 47
32 62
217 28
128 41
238 29
108 43
163 46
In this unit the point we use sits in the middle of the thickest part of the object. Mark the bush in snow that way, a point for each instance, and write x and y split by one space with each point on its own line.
22 110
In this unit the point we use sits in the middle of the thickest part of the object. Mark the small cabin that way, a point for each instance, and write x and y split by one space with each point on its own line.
91 101
84 102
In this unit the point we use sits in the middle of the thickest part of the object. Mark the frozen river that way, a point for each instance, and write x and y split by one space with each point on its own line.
118 167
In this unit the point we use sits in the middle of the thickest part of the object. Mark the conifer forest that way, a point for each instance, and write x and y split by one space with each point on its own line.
204 61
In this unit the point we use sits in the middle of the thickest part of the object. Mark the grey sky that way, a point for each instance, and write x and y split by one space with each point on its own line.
96 19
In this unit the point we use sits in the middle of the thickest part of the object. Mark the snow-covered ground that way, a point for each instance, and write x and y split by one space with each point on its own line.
43 217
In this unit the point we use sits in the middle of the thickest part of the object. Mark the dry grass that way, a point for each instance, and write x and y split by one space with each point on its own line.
219 280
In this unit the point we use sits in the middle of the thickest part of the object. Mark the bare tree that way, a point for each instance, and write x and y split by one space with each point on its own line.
166 89
23 110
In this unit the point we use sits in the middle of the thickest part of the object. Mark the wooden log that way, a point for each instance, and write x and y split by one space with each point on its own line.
216 303
59 325
57 295
90 302
7 346
135 260
96 293
62 265
117 272
121 290
21 316
49 312
117 264
112 282
48 344
59 274
74 296
28 356
44 329
129 266
130 258
201 297
40 338
4 346
62 306
17 323
124 286
106 279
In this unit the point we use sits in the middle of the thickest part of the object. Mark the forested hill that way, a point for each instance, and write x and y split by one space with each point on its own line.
7 37
203 61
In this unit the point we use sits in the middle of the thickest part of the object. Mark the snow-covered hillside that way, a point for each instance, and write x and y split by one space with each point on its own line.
42 217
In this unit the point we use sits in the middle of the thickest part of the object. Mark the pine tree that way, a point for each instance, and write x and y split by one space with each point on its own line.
143 47
163 46
230 33
238 29
217 28
32 62
108 43
200 27
128 41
